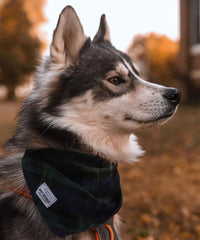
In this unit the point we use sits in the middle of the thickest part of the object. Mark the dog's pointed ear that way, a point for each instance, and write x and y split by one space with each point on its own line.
103 34
68 38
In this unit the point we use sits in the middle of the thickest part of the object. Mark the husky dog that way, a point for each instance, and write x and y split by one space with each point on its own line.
87 98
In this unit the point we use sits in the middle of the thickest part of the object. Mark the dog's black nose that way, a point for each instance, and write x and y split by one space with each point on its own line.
173 95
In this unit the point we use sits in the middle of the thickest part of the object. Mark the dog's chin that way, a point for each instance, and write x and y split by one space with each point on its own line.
158 120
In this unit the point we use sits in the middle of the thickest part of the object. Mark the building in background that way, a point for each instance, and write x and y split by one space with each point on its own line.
189 57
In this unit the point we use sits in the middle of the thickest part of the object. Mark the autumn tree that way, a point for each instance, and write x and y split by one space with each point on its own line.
19 44
157 55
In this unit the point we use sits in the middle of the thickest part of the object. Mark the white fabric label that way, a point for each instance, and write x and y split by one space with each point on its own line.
45 195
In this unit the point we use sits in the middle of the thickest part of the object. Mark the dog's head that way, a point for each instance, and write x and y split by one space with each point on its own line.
89 86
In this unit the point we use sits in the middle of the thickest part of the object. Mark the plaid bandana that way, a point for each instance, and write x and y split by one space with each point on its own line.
72 191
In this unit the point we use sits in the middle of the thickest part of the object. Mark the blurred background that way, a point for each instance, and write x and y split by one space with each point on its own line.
162 191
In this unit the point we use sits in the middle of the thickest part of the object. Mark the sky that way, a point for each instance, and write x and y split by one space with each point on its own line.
126 18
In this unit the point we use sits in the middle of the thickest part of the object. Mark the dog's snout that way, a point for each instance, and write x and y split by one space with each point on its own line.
173 95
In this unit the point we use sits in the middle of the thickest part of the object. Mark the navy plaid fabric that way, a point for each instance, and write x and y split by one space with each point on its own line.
87 188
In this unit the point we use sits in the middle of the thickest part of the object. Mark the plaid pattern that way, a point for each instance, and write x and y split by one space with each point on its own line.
87 188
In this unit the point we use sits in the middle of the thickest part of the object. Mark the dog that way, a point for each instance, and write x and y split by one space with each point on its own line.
88 98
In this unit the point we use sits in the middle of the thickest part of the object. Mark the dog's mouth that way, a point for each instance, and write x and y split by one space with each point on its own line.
153 120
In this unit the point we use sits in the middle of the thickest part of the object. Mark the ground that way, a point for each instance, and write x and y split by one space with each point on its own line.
162 190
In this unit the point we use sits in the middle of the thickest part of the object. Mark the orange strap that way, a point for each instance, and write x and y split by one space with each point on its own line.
108 227
110 231
24 192
96 233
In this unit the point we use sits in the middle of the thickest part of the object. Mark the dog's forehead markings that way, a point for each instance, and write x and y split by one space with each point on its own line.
128 67
122 69
131 70
139 78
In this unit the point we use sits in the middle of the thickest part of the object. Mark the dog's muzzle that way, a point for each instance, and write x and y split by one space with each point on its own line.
173 95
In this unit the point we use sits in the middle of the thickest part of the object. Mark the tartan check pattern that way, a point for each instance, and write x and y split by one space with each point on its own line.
87 188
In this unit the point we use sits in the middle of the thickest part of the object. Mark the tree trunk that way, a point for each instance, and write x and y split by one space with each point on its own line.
192 90
11 93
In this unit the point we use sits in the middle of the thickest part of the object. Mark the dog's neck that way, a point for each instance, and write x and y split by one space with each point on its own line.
112 146
109 145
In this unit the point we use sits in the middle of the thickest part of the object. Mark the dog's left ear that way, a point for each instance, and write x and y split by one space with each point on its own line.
68 38
103 34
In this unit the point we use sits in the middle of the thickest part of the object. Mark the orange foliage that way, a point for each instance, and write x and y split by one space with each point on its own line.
20 41
162 53
35 13
158 54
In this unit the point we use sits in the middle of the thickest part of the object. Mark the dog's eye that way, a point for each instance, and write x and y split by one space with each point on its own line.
115 80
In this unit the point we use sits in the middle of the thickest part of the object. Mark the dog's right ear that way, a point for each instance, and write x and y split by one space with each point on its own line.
68 38
103 34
